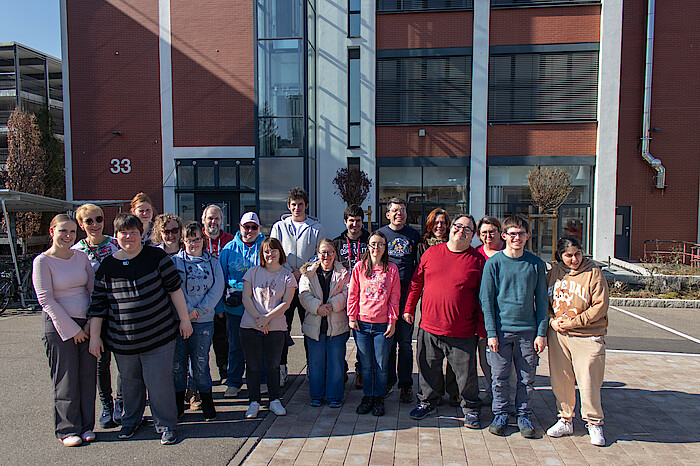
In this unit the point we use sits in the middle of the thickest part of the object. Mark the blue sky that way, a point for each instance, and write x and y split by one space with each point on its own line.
35 23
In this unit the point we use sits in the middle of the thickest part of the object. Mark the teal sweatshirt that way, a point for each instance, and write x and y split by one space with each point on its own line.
514 294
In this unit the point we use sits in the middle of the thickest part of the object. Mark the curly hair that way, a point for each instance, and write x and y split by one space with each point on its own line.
159 225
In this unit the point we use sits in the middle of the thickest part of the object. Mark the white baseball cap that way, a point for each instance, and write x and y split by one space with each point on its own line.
250 217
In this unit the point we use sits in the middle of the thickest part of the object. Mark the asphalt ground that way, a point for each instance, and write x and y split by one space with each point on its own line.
26 413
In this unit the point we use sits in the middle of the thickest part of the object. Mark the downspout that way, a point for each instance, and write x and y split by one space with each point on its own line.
646 118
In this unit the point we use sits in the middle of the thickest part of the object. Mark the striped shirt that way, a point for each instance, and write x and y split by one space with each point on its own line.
133 296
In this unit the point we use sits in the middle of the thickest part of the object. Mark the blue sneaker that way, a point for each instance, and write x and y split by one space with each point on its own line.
525 426
499 424
315 403
422 410
471 420
335 404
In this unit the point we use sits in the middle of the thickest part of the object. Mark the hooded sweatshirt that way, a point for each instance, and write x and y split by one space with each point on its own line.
236 258
311 297
580 295
350 250
299 242
202 282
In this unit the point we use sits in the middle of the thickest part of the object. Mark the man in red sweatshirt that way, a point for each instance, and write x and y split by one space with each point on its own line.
449 278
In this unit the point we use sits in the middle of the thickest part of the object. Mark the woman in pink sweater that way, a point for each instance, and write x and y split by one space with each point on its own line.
63 280
373 307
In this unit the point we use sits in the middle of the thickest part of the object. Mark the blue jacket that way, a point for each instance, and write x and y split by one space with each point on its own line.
202 282
236 258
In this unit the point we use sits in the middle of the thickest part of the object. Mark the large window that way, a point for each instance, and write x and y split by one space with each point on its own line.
419 90
556 86
354 18
417 5
424 188
354 98
511 3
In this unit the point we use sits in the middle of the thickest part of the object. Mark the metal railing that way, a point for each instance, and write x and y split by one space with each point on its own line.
672 251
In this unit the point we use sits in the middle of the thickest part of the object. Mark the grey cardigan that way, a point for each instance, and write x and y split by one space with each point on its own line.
311 297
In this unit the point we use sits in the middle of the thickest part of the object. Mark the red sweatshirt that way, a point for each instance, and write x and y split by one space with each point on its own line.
450 283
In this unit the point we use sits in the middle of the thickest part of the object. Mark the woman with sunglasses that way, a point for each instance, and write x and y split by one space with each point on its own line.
142 206
97 246
167 233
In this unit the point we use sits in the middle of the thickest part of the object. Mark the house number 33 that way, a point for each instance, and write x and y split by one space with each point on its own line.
123 166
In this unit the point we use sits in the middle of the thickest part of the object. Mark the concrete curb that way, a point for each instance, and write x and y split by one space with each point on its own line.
253 440
653 302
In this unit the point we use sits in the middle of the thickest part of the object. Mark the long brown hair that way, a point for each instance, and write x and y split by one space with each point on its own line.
140 198
384 260
430 223
272 243
159 225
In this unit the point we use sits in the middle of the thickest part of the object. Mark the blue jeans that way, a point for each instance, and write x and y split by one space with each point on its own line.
327 366
373 348
236 360
196 347
513 348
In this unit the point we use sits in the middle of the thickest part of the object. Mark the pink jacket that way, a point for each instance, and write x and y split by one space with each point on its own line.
376 299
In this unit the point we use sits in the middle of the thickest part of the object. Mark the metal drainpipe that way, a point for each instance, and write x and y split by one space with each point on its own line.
646 118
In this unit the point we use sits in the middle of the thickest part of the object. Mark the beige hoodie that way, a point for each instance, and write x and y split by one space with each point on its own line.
580 295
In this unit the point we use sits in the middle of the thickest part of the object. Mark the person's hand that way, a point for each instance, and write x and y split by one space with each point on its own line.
354 325
194 315
185 329
86 329
565 324
96 346
493 344
540 344
408 317
556 325
80 337
263 323
390 329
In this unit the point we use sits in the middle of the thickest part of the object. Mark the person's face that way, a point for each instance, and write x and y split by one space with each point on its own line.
249 232
63 234
171 234
516 237
271 255
397 215
144 211
327 255
212 222
376 247
462 230
489 234
193 244
440 227
93 223
354 225
129 240
572 257
297 207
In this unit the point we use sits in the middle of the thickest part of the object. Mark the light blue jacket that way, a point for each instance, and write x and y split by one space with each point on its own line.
236 258
202 282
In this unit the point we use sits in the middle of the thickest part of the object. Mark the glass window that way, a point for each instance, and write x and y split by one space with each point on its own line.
311 24
280 18
403 182
227 176
186 208
311 84
354 18
280 136
185 176
446 187
354 87
205 176
409 5
312 140
277 177
280 90
247 173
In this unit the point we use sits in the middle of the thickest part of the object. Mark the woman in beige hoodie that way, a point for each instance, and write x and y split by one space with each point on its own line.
578 318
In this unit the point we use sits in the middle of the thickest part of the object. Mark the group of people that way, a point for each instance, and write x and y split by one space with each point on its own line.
162 291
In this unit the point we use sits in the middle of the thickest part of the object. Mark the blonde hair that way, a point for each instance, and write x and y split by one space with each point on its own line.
61 218
83 210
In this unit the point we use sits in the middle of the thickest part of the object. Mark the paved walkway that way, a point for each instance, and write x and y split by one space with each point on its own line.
651 403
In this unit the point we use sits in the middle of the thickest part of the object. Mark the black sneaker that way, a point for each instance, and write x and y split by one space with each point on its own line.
127 432
471 420
168 437
422 410
525 426
366 405
406 395
118 412
499 424
106 421
378 408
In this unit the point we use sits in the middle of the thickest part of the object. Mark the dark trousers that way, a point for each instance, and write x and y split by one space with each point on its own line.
403 340
253 342
461 354
104 374
150 371
451 381
289 315
73 372
220 344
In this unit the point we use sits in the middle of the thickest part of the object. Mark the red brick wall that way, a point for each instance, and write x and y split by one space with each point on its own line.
542 139
439 141
424 30
553 25
673 213
213 73
114 86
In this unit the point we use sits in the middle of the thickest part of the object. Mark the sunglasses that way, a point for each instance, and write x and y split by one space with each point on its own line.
172 231
253 228
89 221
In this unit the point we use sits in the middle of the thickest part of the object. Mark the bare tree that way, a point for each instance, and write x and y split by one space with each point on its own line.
549 188
352 185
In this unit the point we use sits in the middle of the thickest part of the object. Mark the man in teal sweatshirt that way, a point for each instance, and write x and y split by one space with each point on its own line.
514 300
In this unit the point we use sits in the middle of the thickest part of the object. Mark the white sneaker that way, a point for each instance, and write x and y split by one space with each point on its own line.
72 441
263 389
562 427
283 374
277 408
596 433
252 411
232 392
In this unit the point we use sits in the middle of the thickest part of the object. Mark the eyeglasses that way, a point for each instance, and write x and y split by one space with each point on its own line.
396 211
459 227
252 228
88 221
194 240
270 252
516 234
326 253
172 231
376 245
489 233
